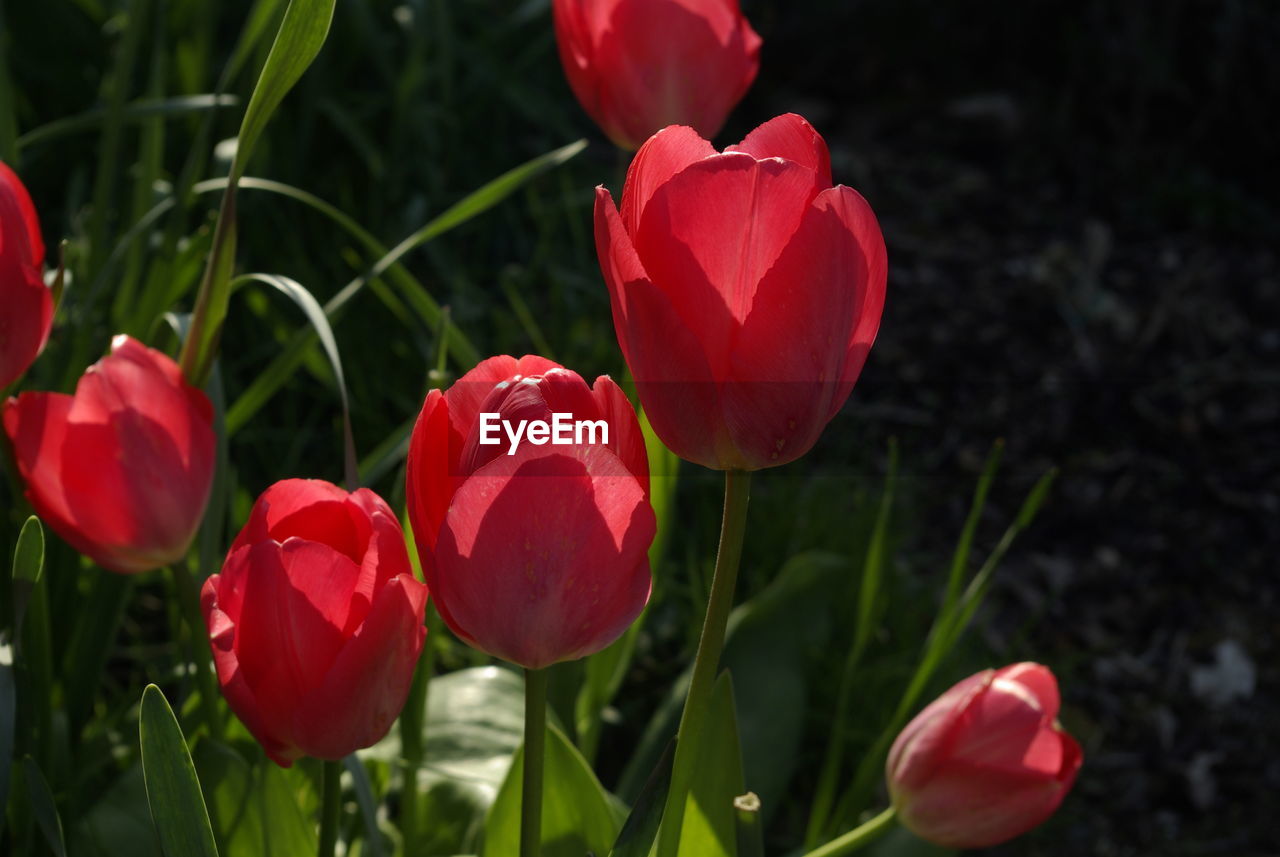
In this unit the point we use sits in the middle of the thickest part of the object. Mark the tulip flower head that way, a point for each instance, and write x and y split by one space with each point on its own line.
640 65
28 305
985 762
122 469
316 620
746 290
536 554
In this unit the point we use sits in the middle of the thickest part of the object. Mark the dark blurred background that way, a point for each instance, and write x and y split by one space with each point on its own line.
1080 203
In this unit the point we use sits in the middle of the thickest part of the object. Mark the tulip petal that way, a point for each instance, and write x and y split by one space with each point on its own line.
626 439
37 425
861 224
543 555
920 747
267 650
789 136
711 233
788 366
25 322
664 154
366 688
671 62
315 605
282 500
16 206
431 469
673 377
231 677
973 806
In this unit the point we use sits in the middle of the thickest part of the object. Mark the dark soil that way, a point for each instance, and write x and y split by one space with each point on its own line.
1081 218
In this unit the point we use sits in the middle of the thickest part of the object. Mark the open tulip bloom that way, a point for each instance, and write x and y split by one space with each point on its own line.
27 312
746 290
122 469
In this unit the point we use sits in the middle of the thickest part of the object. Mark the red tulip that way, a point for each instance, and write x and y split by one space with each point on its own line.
640 65
746 290
122 469
987 761
28 305
537 556
316 620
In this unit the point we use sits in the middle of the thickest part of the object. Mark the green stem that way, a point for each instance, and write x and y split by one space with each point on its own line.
189 599
413 739
862 835
737 489
330 808
535 749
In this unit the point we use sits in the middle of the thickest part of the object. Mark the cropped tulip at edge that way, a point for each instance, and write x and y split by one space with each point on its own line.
540 556
746 290
122 469
640 65
986 761
316 620
27 303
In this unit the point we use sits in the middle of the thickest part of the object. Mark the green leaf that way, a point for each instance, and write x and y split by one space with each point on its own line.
271 379
302 34
119 822
137 111
311 308
253 809
368 806
173 792
577 814
768 649
641 827
474 724
42 806
710 820
28 564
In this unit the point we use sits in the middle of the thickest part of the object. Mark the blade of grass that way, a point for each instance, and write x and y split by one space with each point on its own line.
320 324
943 636
141 110
872 572
479 201
960 558
302 33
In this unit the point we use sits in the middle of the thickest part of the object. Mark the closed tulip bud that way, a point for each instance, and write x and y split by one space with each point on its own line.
640 65
985 762
27 303
536 550
316 620
746 290
122 469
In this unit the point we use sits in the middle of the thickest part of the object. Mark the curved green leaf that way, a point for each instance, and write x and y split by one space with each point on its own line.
28 563
577 815
252 808
173 792
42 806
281 369
137 111
311 308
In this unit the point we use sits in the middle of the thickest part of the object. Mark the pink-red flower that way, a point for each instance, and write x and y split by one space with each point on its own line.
27 304
122 469
746 290
640 65
985 762
538 556
316 620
